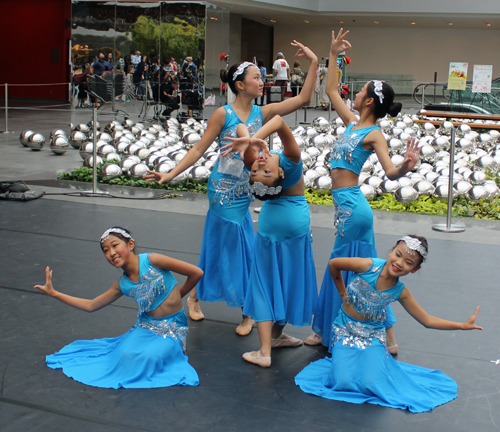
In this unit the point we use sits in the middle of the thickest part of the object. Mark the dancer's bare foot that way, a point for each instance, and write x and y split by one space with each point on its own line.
392 345
256 357
245 327
313 340
195 312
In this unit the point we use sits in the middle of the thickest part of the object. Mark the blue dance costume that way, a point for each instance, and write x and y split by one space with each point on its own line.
353 219
150 355
228 236
283 285
360 369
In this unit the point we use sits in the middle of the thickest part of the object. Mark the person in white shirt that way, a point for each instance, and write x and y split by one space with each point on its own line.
281 71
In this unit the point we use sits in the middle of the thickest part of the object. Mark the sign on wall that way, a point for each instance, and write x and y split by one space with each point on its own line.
481 80
457 76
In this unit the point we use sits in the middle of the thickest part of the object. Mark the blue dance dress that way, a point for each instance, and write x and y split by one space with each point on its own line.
228 236
151 354
360 369
353 220
283 285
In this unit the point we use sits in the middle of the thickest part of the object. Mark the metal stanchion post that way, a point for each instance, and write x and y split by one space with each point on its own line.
352 95
448 226
94 151
7 110
423 96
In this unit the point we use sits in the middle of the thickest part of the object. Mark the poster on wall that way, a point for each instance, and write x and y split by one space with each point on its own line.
457 76
481 80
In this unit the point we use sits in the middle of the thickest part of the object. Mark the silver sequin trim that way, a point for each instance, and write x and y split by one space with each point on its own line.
340 217
227 189
367 301
344 147
357 335
165 329
150 287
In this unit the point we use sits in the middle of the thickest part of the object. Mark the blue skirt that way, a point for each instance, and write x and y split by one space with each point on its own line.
353 219
283 285
149 355
367 374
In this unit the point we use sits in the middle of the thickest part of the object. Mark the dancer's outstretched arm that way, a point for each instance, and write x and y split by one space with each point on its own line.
293 104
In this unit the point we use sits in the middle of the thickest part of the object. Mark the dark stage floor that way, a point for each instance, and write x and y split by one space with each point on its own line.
233 395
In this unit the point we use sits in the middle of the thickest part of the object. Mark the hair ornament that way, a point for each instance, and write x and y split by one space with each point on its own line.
106 234
261 189
377 89
241 69
414 244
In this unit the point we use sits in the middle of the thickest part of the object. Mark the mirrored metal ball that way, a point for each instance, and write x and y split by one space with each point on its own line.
109 171
406 194
323 183
59 144
424 187
89 162
36 141
478 192
368 191
138 170
23 138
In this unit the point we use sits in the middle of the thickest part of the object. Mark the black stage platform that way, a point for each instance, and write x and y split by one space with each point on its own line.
233 395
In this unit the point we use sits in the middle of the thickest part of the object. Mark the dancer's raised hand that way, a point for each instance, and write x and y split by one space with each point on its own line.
304 51
412 154
47 288
470 324
339 43
241 145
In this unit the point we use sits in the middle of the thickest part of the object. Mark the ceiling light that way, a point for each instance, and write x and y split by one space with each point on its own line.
273 21
450 23
307 22
412 23
341 22
488 25
376 22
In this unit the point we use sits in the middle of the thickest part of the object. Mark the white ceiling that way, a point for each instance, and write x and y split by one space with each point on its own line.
265 12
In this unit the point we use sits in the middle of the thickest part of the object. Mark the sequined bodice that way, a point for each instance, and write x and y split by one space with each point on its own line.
153 287
348 152
363 295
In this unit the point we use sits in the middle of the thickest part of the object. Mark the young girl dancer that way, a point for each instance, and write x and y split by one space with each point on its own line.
283 287
152 353
228 237
360 370
353 214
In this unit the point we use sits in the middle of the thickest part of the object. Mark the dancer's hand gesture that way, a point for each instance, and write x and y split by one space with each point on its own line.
47 288
412 154
304 51
339 44
158 177
470 324
241 145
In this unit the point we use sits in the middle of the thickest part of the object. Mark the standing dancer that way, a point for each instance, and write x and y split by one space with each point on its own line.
283 287
353 214
360 370
152 353
228 237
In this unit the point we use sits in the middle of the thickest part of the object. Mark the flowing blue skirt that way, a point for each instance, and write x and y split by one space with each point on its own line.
283 285
226 251
369 375
149 355
353 220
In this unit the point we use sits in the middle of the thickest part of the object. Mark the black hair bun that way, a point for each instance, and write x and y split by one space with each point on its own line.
395 109
224 76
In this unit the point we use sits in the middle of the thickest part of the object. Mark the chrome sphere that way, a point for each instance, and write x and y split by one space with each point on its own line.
299 131
477 178
428 154
462 130
441 192
59 144
152 159
486 162
323 183
89 162
77 138
109 171
322 170
312 175
56 132
311 132
462 187
164 167
367 167
397 160
406 194
36 141
416 177
138 170
307 159
113 157
478 192
405 181
429 129
384 124
314 152
86 150
374 182
301 142
199 173
23 138
82 128
143 153
191 140
445 128
181 177
321 124
440 143
389 186
126 163
106 149
368 191
339 131
424 187
319 141
395 146
492 188
465 145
